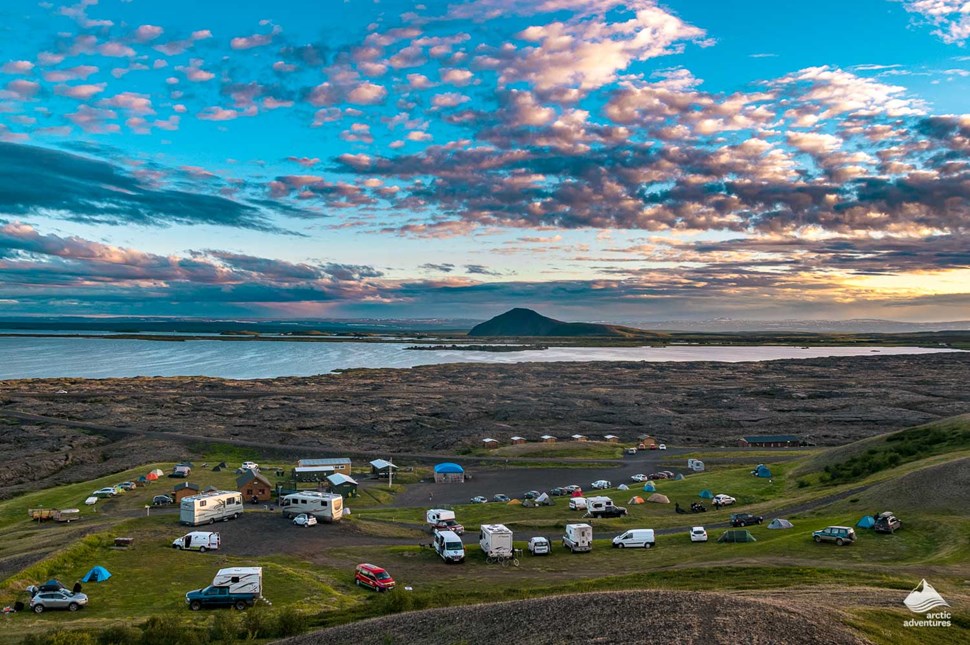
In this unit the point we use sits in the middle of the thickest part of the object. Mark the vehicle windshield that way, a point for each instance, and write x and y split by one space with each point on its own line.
453 546
382 575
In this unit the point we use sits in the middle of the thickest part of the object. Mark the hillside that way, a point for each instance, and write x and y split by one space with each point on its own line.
526 322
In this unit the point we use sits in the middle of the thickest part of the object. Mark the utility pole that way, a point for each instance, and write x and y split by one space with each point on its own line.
390 475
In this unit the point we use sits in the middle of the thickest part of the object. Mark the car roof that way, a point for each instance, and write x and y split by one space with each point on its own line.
373 568
697 528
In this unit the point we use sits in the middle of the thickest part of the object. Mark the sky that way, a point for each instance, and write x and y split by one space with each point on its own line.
591 159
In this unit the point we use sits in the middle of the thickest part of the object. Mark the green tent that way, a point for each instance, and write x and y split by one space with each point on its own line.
736 535
706 494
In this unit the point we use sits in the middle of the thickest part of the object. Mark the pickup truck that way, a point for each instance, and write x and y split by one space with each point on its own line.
215 597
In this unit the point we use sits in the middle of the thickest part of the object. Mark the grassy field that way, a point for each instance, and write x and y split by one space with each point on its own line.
151 578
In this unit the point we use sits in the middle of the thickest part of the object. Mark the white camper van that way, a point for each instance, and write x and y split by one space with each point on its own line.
635 538
443 519
220 505
448 545
495 540
696 465
578 538
240 579
200 541
328 507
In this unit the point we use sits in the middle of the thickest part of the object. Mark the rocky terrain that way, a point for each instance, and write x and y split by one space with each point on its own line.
449 408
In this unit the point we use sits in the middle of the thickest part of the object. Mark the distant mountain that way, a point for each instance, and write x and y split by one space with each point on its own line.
525 322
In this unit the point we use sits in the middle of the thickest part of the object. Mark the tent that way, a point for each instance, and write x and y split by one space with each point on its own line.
217 469
514 502
222 464
779 523
736 535
151 476
636 500
97 574
679 477
649 487
622 487
706 494
577 493
142 481
657 498
762 471
544 500
158 472
867 522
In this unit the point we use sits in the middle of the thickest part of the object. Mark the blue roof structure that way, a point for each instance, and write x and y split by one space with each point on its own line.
448 467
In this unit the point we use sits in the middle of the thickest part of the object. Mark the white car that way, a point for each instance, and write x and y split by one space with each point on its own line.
639 477
479 500
662 446
108 491
304 520
698 534
600 484
539 546
723 500
250 465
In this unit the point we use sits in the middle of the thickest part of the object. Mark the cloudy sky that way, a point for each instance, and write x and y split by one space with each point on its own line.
595 159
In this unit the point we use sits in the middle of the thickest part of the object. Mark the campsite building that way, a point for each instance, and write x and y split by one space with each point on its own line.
254 485
517 440
770 441
342 485
336 465
184 489
489 443
579 437
381 467
449 473
547 438
611 438
646 441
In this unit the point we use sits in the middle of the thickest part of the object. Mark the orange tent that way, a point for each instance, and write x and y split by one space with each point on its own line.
636 500
151 477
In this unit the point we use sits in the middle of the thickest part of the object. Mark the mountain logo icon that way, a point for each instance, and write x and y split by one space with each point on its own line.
924 598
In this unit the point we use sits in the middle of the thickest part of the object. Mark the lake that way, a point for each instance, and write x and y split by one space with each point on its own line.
104 358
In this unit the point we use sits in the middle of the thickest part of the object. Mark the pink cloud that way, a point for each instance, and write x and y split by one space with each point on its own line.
367 94
147 33
306 162
94 120
49 58
283 67
419 81
115 50
418 135
80 92
17 67
449 99
20 89
271 103
459 77
256 40
79 72
197 75
216 113
130 101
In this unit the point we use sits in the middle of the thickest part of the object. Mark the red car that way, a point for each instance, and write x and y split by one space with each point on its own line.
369 575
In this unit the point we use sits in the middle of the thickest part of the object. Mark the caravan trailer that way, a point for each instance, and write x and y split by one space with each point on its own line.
210 507
328 507
495 540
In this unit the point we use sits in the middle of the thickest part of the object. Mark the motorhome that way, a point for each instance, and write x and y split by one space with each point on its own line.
603 507
220 505
328 507
635 538
696 465
448 545
578 538
495 540
440 518
240 579
200 541
237 587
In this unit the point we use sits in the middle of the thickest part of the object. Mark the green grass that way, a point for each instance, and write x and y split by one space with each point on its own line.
559 450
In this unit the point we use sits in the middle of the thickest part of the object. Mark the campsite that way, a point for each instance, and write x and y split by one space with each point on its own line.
310 572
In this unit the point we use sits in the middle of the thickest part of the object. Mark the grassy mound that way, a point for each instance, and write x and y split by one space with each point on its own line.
935 489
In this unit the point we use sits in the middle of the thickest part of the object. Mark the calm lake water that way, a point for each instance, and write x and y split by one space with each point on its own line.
103 358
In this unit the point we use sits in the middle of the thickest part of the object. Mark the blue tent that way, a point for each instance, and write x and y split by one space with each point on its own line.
679 477
867 522
762 471
97 574
649 487
448 468
706 494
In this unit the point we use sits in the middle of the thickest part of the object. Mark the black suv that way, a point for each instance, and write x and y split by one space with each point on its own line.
887 523
745 519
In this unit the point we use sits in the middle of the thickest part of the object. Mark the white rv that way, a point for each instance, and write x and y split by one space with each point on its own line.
200 541
328 507
240 579
495 540
211 507
578 538
696 465
448 545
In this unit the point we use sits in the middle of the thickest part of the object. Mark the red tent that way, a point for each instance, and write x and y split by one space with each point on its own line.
151 477
577 493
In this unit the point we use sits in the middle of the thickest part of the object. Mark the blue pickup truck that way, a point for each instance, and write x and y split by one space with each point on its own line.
215 597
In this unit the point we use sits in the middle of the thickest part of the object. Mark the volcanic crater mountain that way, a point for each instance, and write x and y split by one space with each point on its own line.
526 322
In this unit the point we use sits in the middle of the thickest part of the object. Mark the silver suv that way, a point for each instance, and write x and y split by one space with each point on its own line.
62 599
838 534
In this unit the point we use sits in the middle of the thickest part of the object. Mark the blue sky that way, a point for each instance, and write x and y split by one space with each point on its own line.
590 158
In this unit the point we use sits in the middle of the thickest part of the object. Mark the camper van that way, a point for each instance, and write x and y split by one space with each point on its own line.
696 465
443 519
211 507
603 507
200 541
635 538
578 538
328 507
237 587
495 540
448 545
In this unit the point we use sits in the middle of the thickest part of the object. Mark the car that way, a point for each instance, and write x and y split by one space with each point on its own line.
886 522
558 491
539 546
305 520
127 485
698 534
107 491
723 500
501 498
639 477
631 451
655 476
449 525
479 500
653 446
572 488
745 519
669 473
600 484
62 599
162 500
250 465
662 446
373 577
532 494
839 534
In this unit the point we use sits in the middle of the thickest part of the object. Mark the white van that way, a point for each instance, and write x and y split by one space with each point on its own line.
328 507
578 538
635 538
448 545
200 541
495 540
577 503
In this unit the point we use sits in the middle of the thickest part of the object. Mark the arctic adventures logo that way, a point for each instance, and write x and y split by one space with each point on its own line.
922 600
